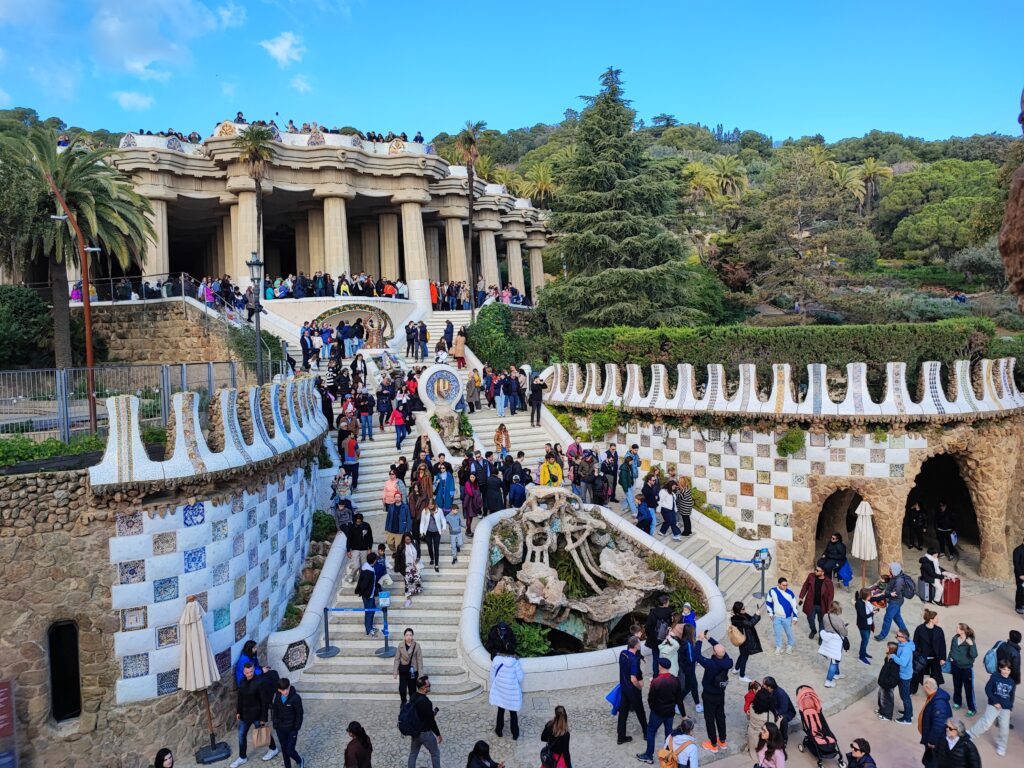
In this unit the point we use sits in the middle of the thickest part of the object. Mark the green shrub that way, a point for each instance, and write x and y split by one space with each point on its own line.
292 617
792 442
496 607
605 421
568 422
242 342
17 449
465 427
879 435
324 457
723 520
576 586
700 499
18 427
491 337
324 526
154 436
531 639
149 409
678 585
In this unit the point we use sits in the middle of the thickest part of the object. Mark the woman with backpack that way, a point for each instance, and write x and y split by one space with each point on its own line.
888 679
963 650
555 736
742 633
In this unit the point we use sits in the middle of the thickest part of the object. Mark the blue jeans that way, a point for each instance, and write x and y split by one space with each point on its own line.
669 517
366 423
499 403
348 347
656 722
783 626
400 432
424 352
368 602
243 730
908 703
864 635
892 613
833 670
963 684
630 502
655 655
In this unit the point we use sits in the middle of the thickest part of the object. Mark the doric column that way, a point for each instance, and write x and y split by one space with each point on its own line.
514 233
315 218
226 244
455 245
433 241
336 254
487 225
215 252
389 246
245 233
371 248
535 246
415 251
355 255
157 254
302 245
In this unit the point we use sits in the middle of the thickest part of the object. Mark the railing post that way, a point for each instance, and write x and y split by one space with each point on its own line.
165 394
60 392
183 376
328 651
209 379
716 570
233 373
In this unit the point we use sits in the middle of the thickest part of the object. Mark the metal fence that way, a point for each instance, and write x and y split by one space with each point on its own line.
54 402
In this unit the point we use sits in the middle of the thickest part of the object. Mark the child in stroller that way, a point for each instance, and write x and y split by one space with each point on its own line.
818 737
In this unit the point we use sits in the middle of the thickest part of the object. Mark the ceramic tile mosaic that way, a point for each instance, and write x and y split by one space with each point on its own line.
799 481
898 441
264 610
746 489
764 505
746 436
781 520
129 524
237 545
857 470
219 530
296 656
165 589
730 473
167 636
671 443
202 599
781 465
220 574
877 455
239 587
763 450
135 665
746 462
817 467
264 570
699 446
223 660
221 618
133 618
645 441
781 492
764 531
897 470
253 557
280 520
729 448
659 454
715 459
194 514
858 441
818 439
699 470
715 486
273 545
763 477
684 457
747 515
837 454
254 598
240 629
166 682
194 559
291 498
283 556
131 572
250 517
730 500
273 582
264 531
165 543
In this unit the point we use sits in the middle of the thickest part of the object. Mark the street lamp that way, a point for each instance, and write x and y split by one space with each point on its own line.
256 276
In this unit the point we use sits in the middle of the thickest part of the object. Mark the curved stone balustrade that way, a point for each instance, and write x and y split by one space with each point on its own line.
278 417
985 389
146 141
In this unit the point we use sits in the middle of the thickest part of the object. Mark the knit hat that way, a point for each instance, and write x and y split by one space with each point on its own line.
895 569
664 663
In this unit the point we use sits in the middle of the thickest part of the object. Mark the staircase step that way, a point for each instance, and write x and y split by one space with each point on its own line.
377 665
330 688
353 632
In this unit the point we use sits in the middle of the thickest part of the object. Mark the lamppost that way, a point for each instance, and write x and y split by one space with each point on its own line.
256 276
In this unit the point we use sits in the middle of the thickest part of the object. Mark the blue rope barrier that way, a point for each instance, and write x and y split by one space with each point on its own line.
329 651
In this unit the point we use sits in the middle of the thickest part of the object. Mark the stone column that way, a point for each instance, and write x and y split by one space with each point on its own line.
226 244
302 245
487 225
215 252
455 245
355 255
535 246
336 254
415 252
389 246
433 252
370 236
245 233
315 219
515 264
157 254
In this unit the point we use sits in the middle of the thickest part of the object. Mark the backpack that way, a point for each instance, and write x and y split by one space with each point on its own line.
661 630
735 635
409 719
908 588
668 758
992 658
889 675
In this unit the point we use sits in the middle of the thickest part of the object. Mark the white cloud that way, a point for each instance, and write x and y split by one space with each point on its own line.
301 84
231 15
5 98
227 89
133 101
59 80
285 48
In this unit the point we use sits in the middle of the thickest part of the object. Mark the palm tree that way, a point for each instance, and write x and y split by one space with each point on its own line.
703 184
469 153
730 174
102 203
821 157
849 180
485 167
256 150
512 181
873 172
540 184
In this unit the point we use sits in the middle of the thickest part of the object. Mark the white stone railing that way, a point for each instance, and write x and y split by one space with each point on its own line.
985 389
126 461
570 670
147 141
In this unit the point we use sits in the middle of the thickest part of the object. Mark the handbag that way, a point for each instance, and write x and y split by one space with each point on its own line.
547 759
614 698
846 643
947 667
260 736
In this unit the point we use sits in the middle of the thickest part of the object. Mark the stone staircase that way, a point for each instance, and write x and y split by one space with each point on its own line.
377 457
522 436
357 673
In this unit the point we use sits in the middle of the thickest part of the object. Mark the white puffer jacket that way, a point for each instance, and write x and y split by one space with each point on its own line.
506 688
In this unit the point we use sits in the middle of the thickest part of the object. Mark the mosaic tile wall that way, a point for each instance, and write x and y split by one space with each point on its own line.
745 478
239 559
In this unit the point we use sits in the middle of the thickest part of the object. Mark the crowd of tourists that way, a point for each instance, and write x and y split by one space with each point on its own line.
313 127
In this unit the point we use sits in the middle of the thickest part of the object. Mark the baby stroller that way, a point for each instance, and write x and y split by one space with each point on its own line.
818 737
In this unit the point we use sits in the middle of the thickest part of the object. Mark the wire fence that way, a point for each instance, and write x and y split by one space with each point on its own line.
54 402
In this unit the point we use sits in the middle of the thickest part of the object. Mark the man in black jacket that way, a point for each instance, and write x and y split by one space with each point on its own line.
366 588
287 714
659 622
429 735
251 711
358 543
536 399
1018 576
1010 650
664 695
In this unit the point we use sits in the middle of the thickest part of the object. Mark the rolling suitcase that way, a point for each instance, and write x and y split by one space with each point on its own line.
924 591
951 590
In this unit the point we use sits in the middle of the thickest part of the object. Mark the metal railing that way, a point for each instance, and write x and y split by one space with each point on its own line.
54 402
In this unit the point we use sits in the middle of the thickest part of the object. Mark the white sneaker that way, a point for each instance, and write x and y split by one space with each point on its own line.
271 754
677 538
839 676
734 671
789 650
408 602
830 684
699 708
778 650
238 761
744 679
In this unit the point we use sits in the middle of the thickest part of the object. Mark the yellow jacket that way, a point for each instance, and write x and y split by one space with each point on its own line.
550 473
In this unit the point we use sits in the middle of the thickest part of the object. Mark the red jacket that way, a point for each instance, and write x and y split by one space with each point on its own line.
828 593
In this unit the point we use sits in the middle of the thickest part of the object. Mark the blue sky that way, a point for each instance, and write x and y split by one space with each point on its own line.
930 69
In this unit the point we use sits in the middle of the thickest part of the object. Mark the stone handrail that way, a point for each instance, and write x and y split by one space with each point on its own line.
148 141
985 389
570 670
264 411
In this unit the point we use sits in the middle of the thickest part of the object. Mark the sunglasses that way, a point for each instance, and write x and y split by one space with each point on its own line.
855 748
951 728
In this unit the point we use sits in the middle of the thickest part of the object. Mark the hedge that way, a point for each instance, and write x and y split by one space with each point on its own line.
835 346
491 337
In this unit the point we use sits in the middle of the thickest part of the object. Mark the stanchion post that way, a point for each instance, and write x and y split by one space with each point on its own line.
717 559
387 651
328 651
